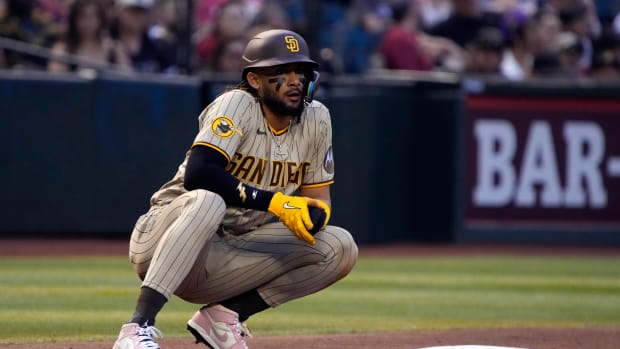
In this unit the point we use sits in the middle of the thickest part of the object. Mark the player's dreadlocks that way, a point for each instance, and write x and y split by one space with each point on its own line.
244 85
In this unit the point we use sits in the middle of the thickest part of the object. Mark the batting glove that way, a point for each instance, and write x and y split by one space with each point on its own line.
293 212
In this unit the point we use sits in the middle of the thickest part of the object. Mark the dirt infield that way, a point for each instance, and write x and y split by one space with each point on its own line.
531 338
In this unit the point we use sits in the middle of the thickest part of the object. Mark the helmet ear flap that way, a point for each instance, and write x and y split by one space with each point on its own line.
311 86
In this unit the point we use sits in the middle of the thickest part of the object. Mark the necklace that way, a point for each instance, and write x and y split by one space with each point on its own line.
281 147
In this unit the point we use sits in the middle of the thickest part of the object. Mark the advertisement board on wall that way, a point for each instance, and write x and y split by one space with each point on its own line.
541 165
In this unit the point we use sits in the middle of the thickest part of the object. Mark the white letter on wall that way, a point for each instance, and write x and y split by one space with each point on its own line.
496 142
584 167
539 166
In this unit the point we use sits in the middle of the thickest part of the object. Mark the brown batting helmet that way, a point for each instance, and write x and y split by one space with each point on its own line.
275 47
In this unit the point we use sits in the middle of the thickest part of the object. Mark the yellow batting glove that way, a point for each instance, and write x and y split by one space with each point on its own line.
293 212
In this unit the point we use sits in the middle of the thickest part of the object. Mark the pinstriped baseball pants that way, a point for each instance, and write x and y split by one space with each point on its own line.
179 249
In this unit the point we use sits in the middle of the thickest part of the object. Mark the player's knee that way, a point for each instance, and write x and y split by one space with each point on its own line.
349 252
344 248
207 202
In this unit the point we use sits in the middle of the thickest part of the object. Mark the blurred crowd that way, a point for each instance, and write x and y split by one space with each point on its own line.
509 39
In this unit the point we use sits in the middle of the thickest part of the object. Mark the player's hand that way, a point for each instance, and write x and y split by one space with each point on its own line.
319 214
293 212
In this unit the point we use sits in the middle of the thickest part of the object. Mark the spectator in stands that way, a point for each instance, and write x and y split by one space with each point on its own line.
399 46
570 52
484 53
432 12
527 7
271 15
25 23
546 57
227 55
351 45
297 12
206 13
576 17
548 27
606 58
86 37
131 30
561 61
445 54
165 28
466 19
231 20
58 10
111 10
518 58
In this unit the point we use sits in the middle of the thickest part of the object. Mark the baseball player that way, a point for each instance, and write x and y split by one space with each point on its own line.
242 225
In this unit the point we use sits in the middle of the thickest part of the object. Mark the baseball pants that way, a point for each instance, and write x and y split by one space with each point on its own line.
180 249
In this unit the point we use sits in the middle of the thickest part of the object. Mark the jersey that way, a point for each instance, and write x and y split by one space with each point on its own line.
299 156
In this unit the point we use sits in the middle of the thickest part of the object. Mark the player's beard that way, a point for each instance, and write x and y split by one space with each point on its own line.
279 108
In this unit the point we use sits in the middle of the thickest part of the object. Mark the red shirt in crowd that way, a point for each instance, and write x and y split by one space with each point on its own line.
400 50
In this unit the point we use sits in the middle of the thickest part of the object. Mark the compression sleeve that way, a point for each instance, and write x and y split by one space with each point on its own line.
206 170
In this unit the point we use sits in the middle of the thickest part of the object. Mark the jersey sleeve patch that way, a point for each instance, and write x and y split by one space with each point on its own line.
223 127
328 162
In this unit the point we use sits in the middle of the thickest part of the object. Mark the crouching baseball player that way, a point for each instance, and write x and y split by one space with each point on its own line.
263 149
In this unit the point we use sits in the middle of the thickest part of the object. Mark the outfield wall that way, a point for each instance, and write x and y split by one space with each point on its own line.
80 156
541 163
419 157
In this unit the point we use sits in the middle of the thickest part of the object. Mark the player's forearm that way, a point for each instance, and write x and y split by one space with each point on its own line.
205 171
320 193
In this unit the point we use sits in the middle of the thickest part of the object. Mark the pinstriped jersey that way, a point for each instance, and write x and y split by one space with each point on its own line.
234 125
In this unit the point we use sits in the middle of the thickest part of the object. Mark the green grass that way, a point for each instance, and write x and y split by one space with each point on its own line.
74 299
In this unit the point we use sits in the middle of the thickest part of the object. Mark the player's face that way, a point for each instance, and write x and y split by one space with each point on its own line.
282 87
